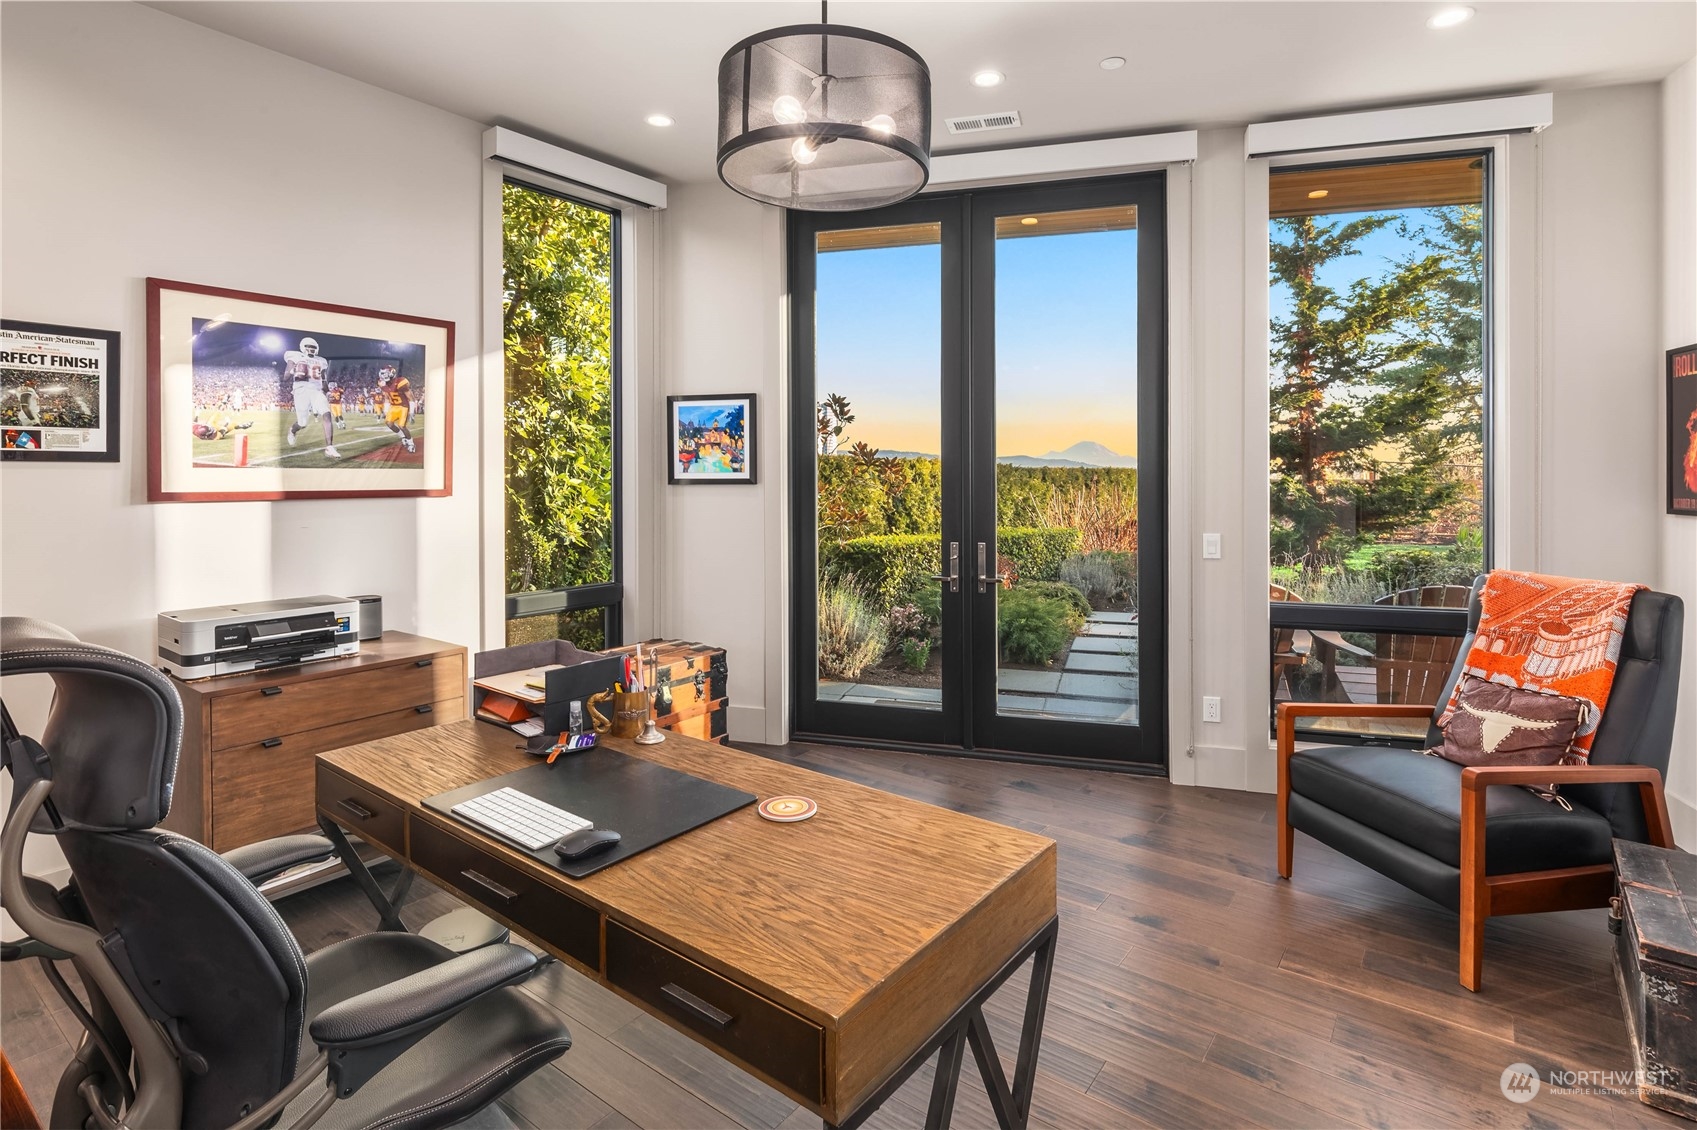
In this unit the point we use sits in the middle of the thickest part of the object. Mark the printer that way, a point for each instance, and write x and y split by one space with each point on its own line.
227 639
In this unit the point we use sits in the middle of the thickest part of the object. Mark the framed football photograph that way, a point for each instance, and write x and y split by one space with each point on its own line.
711 439
58 393
255 397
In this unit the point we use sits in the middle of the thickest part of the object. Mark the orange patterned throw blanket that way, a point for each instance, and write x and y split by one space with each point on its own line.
1551 634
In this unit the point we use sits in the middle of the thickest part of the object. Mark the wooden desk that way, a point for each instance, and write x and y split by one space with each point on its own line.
828 957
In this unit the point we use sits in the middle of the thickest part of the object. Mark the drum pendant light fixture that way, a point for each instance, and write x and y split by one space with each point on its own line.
824 118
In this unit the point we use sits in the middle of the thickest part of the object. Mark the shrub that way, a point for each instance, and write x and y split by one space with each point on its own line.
852 635
1033 628
894 569
909 622
916 654
1036 553
1063 592
1104 577
1103 510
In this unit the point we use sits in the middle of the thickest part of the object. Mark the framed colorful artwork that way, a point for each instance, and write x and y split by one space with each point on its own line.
1682 430
252 396
712 439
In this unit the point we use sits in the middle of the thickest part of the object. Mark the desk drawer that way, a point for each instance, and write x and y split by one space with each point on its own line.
367 815
544 913
295 704
265 788
750 1027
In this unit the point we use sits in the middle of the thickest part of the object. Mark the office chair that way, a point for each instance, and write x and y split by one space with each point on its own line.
203 1010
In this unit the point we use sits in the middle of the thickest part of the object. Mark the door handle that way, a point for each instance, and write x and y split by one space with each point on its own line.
987 578
953 575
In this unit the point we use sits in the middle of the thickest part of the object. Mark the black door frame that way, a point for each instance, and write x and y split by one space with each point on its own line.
968 359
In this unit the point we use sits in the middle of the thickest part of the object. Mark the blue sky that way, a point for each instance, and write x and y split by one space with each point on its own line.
1376 254
1065 340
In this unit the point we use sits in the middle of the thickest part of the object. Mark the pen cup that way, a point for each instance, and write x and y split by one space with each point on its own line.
630 710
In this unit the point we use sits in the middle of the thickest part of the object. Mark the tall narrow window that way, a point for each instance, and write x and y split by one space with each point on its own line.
1379 378
561 406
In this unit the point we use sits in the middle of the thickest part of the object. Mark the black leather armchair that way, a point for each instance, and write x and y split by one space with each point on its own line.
203 1010
1458 837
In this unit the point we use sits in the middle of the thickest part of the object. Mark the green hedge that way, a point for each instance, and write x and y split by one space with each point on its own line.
893 568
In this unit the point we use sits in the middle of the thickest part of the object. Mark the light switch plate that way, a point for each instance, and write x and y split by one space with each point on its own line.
1211 547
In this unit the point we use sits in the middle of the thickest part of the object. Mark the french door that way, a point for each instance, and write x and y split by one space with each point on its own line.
979 524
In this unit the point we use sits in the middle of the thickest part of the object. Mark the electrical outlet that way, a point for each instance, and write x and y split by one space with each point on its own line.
1211 547
1210 708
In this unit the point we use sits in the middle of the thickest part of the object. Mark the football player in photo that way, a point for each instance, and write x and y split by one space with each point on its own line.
309 373
334 395
397 392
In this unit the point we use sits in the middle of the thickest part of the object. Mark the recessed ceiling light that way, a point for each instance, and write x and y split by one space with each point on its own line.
1449 17
660 120
988 78
1319 194
1113 63
1029 220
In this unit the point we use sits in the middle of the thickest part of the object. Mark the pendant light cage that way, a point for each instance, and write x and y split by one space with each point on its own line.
824 118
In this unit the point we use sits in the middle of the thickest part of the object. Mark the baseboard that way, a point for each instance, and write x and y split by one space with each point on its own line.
746 723
1684 816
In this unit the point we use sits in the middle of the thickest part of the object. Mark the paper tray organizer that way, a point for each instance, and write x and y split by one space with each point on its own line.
580 674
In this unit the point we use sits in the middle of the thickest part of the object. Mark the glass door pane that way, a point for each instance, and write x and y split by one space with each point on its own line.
1066 464
878 436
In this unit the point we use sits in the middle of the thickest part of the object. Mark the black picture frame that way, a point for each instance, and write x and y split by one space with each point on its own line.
1682 430
38 447
677 408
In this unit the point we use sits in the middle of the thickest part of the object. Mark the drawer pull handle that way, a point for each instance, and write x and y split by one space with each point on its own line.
424 662
269 692
490 885
425 709
359 811
271 743
717 1017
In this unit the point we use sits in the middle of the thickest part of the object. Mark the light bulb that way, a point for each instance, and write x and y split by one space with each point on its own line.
789 110
988 78
1319 194
803 151
883 123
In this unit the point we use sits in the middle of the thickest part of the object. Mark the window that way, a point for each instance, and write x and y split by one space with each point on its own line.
559 324
1379 381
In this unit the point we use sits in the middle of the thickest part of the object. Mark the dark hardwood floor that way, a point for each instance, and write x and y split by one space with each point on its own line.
1192 987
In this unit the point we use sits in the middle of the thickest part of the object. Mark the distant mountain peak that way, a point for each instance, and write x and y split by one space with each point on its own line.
1090 454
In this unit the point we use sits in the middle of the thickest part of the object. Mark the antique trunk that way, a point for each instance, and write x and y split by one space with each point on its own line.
1656 968
690 681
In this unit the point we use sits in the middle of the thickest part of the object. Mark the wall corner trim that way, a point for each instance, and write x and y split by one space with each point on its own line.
514 148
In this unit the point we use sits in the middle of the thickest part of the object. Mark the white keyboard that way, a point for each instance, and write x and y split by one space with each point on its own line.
520 817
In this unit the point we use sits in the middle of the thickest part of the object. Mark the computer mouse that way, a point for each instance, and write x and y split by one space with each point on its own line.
586 841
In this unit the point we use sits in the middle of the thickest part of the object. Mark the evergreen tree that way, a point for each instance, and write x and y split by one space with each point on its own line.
1367 396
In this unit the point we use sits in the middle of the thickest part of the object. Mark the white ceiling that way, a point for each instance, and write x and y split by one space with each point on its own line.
586 74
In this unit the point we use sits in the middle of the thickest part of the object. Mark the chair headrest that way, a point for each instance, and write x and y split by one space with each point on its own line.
113 732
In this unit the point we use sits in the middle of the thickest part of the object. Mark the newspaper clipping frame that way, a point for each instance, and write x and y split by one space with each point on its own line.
58 393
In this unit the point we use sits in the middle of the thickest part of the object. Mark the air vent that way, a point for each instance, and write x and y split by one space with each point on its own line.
978 123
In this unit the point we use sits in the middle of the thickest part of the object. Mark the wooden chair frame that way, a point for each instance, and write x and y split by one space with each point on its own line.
1482 895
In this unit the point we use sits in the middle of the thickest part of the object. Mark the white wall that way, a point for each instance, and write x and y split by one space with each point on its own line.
721 545
137 144
1679 328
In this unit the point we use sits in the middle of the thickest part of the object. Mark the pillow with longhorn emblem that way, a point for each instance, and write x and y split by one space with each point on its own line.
1493 724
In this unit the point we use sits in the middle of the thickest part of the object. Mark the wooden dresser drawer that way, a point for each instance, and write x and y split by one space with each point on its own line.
264 788
541 912
373 818
764 1035
293 705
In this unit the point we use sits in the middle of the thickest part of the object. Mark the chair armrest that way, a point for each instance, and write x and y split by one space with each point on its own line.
1477 778
269 858
422 1000
1289 712
366 1033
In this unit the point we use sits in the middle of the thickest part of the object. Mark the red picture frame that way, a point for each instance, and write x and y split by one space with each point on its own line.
259 397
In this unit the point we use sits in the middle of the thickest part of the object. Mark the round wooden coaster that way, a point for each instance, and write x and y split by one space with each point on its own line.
787 809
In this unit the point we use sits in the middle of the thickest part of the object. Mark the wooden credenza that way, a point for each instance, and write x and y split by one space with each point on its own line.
249 741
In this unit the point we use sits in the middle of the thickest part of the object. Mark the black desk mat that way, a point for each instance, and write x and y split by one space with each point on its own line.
646 803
